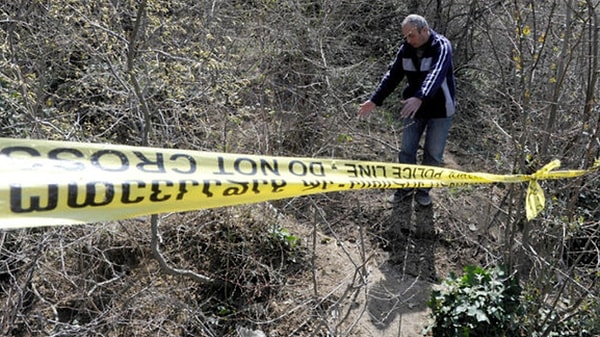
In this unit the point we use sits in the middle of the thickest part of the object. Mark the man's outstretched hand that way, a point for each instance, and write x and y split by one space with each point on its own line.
366 108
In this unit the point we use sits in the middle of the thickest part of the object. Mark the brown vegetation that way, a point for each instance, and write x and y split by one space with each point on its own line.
281 77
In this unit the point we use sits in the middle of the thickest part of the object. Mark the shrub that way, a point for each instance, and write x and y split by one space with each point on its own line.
483 302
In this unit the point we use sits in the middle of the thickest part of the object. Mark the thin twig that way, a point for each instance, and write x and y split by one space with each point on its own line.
163 263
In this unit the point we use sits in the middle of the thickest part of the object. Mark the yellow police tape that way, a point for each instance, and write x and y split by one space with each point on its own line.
45 183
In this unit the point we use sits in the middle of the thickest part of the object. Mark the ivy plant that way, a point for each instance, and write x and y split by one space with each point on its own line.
483 302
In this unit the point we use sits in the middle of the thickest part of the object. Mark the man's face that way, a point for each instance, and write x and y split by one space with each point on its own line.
414 37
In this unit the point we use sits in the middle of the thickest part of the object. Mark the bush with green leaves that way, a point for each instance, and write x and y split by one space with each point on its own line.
483 302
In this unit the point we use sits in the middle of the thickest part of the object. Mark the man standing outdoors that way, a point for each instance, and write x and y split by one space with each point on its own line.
425 59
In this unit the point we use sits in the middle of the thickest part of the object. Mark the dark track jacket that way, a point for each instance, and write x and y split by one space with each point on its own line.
429 77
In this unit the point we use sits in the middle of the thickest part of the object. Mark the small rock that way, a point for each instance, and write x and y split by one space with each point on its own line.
244 332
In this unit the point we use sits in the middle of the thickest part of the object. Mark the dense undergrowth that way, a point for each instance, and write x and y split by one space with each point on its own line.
284 78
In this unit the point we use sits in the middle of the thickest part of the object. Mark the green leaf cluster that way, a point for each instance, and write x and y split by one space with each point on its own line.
483 302
284 237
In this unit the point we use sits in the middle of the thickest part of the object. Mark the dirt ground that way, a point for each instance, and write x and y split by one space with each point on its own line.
400 254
